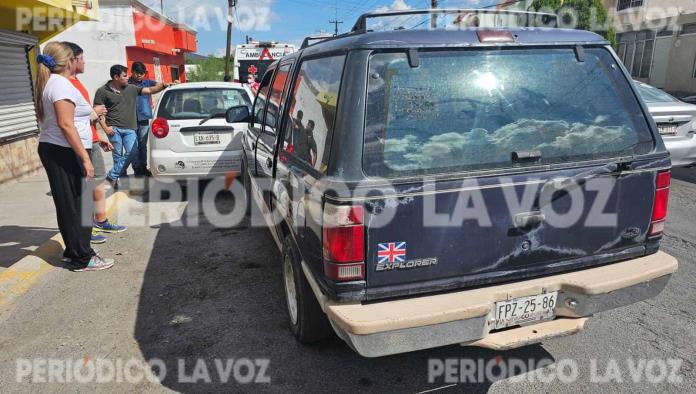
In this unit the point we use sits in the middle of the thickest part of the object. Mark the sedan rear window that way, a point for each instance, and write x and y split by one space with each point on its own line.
472 109
652 94
200 103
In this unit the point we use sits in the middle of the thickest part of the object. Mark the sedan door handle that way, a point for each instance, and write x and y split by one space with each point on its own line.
269 162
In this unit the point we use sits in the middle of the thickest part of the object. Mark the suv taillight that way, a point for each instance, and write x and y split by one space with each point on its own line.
659 213
160 127
343 239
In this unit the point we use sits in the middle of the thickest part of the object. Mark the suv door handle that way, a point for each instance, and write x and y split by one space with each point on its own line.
253 145
269 162
529 219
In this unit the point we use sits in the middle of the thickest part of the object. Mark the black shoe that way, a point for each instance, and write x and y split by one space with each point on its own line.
145 173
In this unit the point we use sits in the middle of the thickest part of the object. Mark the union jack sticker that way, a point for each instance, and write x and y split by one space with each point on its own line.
391 252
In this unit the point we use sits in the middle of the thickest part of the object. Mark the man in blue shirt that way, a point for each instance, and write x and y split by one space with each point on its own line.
144 114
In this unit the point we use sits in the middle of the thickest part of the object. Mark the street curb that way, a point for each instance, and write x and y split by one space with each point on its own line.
18 278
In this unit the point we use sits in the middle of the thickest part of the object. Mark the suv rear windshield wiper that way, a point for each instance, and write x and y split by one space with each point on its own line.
568 184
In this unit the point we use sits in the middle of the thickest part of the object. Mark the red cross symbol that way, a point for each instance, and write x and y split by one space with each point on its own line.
252 69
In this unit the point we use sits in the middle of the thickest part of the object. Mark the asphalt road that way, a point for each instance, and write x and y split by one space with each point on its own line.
201 300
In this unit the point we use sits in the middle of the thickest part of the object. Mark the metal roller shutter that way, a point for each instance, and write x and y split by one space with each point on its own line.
17 111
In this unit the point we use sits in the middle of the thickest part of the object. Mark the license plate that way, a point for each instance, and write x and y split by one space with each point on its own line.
206 138
524 310
667 129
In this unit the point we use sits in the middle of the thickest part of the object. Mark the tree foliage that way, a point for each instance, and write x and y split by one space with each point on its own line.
210 69
584 14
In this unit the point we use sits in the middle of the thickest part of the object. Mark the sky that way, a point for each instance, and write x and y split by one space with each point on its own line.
285 21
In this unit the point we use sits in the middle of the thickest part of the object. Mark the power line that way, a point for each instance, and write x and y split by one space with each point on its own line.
361 10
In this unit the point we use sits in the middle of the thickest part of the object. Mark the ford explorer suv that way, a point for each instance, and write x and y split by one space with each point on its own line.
483 186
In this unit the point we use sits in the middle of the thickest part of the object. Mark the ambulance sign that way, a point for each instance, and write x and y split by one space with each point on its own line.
260 53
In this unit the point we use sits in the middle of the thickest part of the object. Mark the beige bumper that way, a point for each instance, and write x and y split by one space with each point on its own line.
463 317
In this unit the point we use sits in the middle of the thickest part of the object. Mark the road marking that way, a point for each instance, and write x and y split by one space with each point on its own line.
18 278
436 389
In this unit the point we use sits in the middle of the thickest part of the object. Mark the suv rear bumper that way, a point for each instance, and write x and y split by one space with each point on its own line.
405 325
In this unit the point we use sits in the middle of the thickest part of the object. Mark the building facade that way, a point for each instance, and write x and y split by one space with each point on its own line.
24 24
657 41
128 31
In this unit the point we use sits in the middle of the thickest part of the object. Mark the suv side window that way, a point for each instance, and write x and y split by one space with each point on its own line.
260 101
276 99
307 133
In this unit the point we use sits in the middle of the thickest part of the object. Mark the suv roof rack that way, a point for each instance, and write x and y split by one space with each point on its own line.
361 24
309 40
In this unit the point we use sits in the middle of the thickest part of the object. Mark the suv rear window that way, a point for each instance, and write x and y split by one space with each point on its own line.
200 103
470 109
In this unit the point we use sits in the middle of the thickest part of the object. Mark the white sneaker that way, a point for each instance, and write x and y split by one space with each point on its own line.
96 263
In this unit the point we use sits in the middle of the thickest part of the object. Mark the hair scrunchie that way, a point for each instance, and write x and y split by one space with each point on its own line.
47 60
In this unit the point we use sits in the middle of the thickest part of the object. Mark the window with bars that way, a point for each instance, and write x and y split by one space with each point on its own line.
688 28
626 4
636 52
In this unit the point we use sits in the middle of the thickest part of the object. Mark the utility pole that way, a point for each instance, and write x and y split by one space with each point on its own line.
162 7
336 22
433 17
231 4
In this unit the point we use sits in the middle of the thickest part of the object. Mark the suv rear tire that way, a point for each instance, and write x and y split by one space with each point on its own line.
307 321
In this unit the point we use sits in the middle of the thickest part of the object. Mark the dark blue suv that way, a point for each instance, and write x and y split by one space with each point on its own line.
487 186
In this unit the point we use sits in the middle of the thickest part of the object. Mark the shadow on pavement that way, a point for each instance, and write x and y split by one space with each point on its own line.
211 293
684 174
17 242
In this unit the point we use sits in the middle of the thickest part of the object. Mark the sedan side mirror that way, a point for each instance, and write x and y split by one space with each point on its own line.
238 114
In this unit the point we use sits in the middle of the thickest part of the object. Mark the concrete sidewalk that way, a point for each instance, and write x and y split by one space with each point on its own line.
27 218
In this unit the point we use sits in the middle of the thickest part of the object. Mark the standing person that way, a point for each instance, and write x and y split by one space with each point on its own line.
144 114
64 144
120 124
311 143
99 143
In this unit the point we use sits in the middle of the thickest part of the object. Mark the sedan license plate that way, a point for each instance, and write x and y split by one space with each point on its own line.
667 129
206 138
524 310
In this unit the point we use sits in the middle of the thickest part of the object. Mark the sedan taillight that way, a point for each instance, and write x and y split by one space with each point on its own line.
160 127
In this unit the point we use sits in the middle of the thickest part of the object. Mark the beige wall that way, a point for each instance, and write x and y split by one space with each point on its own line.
19 158
681 65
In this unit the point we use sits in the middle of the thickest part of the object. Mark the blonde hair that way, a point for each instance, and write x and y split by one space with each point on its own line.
61 55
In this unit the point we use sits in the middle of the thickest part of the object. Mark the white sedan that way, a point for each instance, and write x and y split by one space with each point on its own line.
191 137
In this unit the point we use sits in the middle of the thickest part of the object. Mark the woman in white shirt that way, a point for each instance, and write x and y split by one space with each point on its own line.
64 144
